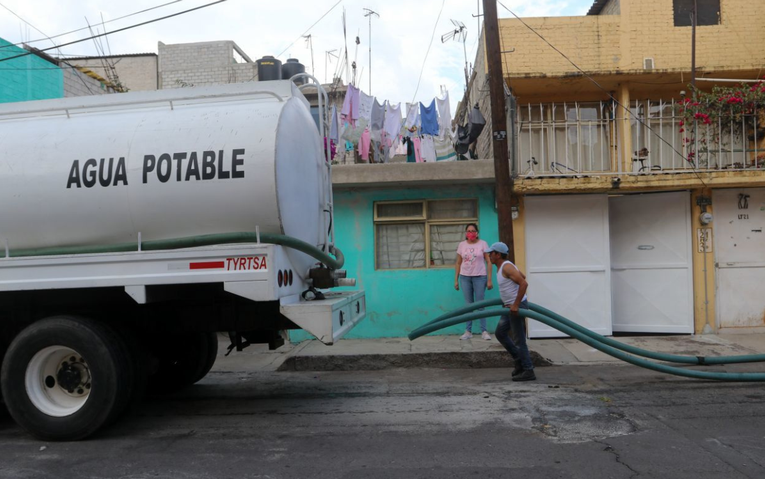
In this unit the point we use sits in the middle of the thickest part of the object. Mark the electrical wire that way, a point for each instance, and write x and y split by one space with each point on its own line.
637 118
428 51
76 72
309 28
84 28
113 32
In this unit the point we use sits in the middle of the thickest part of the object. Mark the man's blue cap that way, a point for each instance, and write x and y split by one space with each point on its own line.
498 247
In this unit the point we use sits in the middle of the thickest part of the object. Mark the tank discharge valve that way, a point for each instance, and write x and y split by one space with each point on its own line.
327 278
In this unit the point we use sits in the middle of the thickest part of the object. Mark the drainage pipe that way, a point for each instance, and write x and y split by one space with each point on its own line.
611 351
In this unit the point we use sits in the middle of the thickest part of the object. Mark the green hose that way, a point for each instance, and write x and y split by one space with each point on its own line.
191 242
718 376
672 358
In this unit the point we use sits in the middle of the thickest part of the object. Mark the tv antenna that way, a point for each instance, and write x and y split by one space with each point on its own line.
459 34
369 14
309 44
328 56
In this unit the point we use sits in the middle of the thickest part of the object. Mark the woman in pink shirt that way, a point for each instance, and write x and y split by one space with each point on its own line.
470 274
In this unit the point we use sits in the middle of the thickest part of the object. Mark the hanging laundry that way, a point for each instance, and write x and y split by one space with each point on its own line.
412 122
334 128
332 148
365 106
350 110
378 118
364 144
444 149
409 150
417 155
444 117
427 149
392 124
429 119
353 133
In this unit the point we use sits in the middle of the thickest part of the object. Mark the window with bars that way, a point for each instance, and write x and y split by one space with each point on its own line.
421 234
566 138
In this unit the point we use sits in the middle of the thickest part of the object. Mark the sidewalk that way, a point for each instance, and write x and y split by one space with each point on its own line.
451 353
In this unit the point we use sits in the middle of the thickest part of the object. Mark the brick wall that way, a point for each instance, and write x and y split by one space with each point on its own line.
135 72
645 28
77 83
202 64
29 77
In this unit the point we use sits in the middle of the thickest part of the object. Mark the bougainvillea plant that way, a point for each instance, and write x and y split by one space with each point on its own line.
723 115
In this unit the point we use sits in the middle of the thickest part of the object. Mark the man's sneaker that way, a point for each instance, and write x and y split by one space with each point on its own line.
467 335
485 335
527 375
518 369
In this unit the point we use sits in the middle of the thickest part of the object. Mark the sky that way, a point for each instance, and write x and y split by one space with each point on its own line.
401 33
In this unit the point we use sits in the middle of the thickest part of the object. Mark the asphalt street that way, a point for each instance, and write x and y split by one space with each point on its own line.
607 420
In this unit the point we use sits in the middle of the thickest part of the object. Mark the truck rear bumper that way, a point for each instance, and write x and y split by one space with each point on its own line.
345 309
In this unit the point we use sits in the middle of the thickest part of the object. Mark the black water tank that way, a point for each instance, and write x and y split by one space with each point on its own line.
291 68
269 68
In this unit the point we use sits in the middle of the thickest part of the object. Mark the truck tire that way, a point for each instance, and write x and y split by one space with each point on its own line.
65 377
182 360
211 354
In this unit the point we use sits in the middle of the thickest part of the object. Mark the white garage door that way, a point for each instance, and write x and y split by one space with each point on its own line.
651 263
568 257
739 243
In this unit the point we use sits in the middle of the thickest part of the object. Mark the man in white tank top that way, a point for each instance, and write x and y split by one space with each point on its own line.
512 290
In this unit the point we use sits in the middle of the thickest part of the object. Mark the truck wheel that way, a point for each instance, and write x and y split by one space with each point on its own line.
64 377
211 354
182 360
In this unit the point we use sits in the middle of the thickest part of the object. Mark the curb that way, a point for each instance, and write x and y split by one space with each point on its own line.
378 362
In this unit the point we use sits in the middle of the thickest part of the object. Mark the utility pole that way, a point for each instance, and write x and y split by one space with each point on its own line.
369 14
502 178
693 46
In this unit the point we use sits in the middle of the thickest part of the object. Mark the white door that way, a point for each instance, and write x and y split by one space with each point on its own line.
567 254
651 263
739 244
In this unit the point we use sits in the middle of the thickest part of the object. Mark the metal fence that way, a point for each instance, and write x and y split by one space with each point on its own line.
572 139
565 138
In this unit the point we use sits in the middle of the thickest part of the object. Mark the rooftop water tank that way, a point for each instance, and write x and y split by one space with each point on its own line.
269 68
292 68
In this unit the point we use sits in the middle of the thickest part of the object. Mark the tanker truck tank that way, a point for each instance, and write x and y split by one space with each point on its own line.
163 164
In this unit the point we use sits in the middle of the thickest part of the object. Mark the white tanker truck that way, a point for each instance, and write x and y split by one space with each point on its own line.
134 227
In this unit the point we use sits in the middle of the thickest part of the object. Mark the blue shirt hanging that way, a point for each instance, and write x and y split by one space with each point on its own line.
429 119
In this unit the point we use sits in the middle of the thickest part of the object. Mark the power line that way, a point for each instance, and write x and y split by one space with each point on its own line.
115 31
76 73
637 118
309 28
428 51
86 28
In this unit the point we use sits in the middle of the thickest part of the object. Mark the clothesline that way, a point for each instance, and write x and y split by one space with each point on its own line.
365 123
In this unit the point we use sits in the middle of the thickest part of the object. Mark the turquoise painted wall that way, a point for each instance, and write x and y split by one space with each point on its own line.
29 77
398 301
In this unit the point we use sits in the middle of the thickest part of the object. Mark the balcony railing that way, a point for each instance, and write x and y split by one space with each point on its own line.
566 139
582 139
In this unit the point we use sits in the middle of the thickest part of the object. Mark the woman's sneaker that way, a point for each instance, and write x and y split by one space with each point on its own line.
485 335
467 335
527 375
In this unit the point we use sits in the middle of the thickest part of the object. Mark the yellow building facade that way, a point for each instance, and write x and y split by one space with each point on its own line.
601 146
